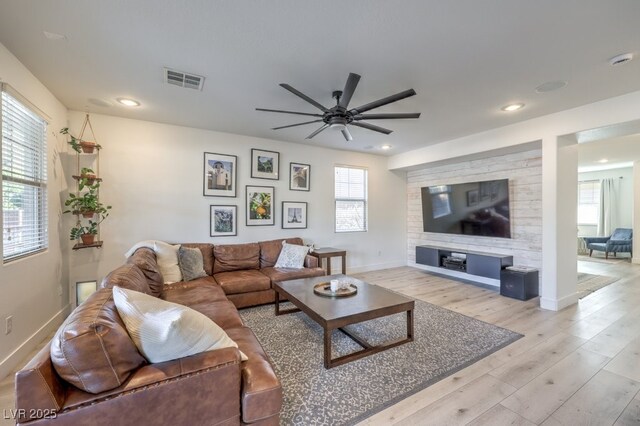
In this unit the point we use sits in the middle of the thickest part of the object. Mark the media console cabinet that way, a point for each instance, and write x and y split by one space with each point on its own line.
480 267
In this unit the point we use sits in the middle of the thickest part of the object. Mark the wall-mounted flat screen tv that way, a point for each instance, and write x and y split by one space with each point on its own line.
474 208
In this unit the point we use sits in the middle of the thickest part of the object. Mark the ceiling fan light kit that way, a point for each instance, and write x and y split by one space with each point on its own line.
340 117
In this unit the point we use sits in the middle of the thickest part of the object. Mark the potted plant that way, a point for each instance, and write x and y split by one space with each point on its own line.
87 178
79 145
86 204
86 233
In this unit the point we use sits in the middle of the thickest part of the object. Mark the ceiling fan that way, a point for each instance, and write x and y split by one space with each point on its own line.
338 117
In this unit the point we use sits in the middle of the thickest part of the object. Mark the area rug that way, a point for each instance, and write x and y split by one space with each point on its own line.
588 283
445 342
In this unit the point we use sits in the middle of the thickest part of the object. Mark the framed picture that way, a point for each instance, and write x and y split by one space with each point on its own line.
294 215
260 205
223 221
220 175
299 177
472 197
265 164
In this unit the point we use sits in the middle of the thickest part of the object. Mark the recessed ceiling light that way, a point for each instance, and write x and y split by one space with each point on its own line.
604 160
512 107
54 36
386 147
620 59
550 86
128 102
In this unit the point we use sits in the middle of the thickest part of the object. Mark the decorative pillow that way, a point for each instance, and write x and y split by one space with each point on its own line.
292 256
191 263
163 331
167 256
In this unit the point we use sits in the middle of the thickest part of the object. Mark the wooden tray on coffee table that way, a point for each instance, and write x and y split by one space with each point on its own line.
324 289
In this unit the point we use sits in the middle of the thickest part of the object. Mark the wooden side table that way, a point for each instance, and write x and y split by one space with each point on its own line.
329 252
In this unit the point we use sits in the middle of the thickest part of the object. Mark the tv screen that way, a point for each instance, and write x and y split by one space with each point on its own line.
474 208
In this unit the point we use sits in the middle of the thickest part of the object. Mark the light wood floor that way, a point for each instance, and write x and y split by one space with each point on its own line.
578 366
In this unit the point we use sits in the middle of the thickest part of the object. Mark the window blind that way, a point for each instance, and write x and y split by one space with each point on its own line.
351 199
588 202
24 180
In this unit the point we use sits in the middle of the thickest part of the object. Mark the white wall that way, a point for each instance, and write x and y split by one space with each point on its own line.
30 287
153 179
525 186
624 196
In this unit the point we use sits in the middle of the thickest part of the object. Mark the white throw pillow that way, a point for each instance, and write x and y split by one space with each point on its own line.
167 256
163 331
292 256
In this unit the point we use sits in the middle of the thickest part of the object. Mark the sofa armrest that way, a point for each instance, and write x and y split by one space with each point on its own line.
200 389
589 240
310 261
39 389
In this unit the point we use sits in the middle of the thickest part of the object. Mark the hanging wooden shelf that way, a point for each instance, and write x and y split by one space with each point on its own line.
80 246
76 177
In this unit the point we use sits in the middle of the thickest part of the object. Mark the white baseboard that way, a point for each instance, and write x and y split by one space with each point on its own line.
336 268
635 260
558 304
457 274
9 364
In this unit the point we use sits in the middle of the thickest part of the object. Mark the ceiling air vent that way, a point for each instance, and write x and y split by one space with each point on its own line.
183 79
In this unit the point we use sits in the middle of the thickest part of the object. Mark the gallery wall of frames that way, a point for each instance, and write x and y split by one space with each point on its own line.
220 180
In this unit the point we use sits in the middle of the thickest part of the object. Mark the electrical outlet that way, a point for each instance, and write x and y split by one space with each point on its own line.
8 325
59 290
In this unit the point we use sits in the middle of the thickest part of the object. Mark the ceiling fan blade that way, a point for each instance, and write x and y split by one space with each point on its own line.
305 97
387 116
349 88
317 131
371 127
347 134
383 101
289 112
294 125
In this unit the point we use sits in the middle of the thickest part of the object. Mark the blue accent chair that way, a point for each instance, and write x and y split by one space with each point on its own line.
621 241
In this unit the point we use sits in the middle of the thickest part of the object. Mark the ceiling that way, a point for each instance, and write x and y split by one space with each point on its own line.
619 152
464 58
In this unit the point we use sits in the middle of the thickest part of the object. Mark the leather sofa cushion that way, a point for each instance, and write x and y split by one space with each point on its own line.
201 290
242 281
127 276
270 250
261 389
92 349
234 257
207 255
283 274
223 313
145 259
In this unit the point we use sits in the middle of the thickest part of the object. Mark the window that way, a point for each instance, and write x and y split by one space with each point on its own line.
351 199
24 180
440 202
588 202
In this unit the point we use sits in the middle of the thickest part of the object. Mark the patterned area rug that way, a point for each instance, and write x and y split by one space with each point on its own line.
445 342
588 283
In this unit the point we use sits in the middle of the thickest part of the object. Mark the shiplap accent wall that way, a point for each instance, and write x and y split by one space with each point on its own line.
524 171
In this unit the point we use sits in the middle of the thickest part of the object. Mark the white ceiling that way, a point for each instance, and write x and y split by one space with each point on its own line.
465 58
619 152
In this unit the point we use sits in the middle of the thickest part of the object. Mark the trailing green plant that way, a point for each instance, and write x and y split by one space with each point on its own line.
74 142
79 230
87 202
87 179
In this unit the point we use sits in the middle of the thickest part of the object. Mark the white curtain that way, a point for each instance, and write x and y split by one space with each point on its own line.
608 203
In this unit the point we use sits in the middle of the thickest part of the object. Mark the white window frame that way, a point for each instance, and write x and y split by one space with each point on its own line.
364 200
38 180
596 203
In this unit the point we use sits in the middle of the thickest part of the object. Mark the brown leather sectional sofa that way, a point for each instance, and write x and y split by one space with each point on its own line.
92 374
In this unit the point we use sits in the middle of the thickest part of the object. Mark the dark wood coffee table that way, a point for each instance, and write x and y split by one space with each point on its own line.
368 303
